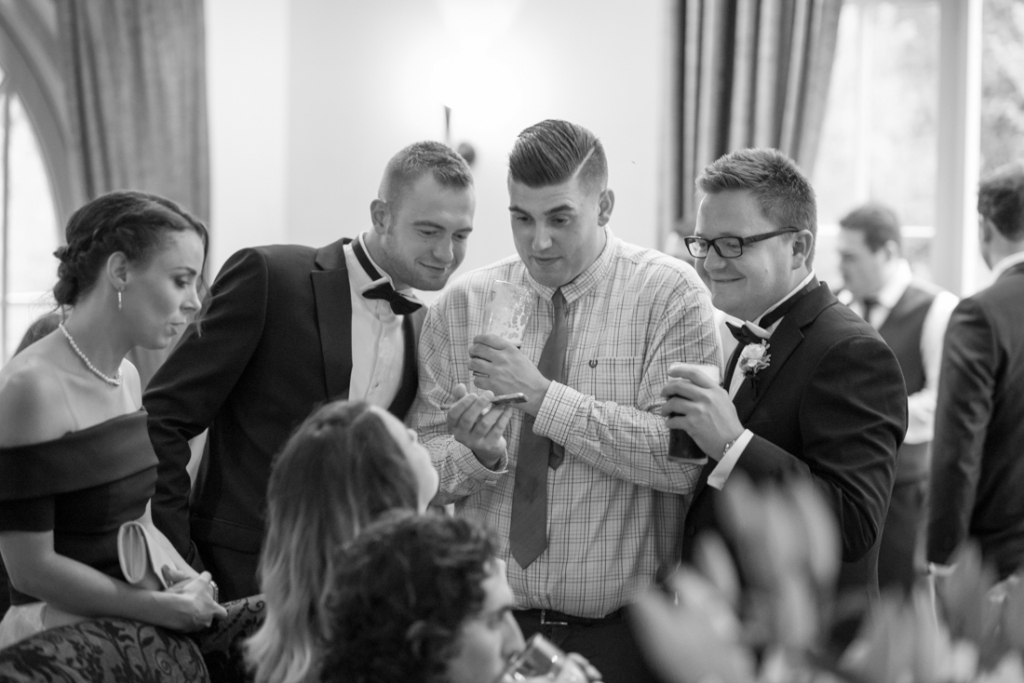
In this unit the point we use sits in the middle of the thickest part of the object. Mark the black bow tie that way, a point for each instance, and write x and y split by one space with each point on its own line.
400 305
743 335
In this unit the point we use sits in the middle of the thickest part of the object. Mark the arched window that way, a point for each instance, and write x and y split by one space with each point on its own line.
36 191
28 222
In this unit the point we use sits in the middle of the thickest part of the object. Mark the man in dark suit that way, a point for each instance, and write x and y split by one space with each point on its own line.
289 327
811 390
977 474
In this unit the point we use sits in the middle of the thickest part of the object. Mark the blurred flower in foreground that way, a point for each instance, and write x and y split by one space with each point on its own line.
773 628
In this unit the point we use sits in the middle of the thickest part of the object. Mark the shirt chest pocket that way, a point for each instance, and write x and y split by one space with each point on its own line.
610 378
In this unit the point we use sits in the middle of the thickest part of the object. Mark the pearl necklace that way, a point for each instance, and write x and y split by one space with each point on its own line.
115 381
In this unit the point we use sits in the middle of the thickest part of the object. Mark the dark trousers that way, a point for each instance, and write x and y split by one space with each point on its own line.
901 555
608 644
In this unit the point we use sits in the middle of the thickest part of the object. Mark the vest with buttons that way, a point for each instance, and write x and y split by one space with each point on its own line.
902 332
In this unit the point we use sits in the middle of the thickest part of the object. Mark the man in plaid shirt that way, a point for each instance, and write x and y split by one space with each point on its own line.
617 316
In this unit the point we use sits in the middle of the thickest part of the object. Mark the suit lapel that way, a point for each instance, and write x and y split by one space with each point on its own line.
334 316
784 341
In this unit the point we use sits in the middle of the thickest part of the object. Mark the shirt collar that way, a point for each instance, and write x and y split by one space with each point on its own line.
803 283
739 323
361 280
588 279
893 290
1006 263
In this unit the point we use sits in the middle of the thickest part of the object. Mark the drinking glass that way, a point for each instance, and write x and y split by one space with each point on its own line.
541 660
508 311
680 445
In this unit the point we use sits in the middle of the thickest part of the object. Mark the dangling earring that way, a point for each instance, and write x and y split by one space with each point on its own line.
119 299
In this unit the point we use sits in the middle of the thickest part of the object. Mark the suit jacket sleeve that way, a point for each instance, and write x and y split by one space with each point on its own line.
966 386
852 416
192 385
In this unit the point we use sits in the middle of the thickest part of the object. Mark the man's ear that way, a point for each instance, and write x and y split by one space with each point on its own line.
985 230
803 247
605 204
892 250
380 216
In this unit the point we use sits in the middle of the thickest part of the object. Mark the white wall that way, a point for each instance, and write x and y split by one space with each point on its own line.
363 79
247 77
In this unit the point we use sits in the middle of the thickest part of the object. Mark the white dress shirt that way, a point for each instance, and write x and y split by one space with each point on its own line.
378 345
1006 263
732 454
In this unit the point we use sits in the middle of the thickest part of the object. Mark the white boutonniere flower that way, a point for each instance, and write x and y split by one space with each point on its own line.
754 358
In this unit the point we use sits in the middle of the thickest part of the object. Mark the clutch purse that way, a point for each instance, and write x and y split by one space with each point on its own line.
142 559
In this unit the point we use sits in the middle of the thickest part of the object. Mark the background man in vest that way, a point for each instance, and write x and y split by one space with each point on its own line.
911 316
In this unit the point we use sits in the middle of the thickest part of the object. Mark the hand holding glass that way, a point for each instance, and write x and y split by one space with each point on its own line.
542 660
508 311
680 445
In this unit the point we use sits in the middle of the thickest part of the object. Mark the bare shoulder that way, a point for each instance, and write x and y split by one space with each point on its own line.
33 407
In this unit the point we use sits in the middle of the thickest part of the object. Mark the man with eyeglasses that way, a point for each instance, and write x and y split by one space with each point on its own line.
811 389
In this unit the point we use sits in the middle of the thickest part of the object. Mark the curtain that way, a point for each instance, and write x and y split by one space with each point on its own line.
135 81
749 73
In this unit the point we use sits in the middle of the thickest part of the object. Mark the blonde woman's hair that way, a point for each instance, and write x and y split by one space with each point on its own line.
339 471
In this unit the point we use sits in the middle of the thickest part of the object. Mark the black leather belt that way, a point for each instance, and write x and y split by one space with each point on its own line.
550 617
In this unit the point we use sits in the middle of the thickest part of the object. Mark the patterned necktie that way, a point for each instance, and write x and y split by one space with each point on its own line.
400 305
528 529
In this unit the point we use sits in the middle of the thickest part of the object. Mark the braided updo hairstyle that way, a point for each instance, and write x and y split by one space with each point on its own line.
131 222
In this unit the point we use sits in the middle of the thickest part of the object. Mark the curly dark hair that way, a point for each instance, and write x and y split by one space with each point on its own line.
131 222
402 591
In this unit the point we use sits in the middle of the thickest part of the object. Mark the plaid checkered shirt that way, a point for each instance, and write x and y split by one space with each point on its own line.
615 506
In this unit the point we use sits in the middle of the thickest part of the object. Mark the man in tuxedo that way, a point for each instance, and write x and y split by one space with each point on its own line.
289 327
977 468
811 390
911 315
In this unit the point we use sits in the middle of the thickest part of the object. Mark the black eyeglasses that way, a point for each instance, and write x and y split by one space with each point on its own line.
728 247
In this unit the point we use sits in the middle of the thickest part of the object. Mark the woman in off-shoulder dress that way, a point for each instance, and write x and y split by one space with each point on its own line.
75 458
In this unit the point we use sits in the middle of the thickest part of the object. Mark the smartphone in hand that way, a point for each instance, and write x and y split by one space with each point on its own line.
505 399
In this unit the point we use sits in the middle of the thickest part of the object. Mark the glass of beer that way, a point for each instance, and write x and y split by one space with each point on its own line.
508 311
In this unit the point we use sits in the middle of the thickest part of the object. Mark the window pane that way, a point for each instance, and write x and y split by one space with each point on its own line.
879 137
32 230
1002 74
